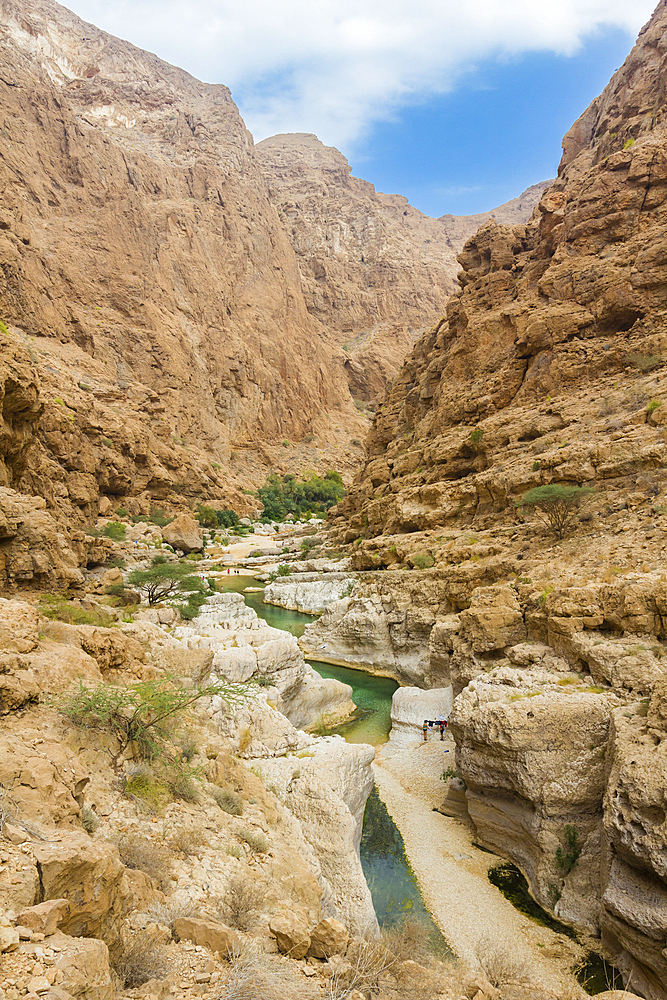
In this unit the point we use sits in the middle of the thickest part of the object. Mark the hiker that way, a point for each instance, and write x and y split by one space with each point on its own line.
442 729
228 571
425 729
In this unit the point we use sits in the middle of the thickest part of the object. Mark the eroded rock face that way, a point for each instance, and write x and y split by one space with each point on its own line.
244 648
326 787
507 392
634 871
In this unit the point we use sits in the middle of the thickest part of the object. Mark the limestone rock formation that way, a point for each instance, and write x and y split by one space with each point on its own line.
246 648
516 387
374 269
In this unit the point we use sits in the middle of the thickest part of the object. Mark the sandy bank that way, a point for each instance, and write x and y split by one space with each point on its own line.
452 873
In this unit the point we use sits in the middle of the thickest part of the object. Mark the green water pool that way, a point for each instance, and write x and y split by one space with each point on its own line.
392 884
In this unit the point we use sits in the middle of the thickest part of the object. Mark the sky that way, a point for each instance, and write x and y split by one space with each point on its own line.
457 104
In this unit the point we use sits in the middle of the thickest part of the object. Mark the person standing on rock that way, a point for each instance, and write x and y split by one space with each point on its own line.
425 730
443 725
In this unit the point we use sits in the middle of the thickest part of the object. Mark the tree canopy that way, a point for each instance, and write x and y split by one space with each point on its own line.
285 495
556 505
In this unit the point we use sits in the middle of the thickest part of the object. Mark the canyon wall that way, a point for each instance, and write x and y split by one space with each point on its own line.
170 332
549 369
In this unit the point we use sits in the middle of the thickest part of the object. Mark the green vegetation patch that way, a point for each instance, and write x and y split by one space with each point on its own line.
285 495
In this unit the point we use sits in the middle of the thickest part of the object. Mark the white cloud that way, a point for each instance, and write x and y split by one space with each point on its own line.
334 66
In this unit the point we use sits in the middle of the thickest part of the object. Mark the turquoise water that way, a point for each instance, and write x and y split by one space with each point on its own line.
393 886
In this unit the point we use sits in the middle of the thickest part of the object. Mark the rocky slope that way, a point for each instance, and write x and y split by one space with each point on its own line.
165 334
548 369
374 269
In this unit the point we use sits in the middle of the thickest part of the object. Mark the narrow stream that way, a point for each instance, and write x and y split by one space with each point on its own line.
393 886
387 870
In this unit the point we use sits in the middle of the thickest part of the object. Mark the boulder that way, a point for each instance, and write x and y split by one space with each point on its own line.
9 935
46 916
184 533
83 967
328 938
90 875
494 619
209 934
291 933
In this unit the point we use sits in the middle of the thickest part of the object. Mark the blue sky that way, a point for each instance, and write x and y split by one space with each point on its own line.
492 137
457 104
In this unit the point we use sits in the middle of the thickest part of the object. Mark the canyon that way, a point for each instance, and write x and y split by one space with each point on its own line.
183 311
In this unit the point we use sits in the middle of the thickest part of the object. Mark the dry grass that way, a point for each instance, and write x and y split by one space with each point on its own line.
367 960
256 976
500 962
139 960
241 903
137 851
171 910
409 940
256 840
228 800
187 840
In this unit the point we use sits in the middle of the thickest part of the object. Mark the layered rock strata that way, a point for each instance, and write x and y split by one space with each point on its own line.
245 649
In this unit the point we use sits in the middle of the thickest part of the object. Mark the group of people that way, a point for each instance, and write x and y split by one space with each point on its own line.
432 723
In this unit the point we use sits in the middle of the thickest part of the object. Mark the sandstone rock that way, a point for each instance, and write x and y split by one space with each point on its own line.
209 934
19 626
184 533
494 619
111 578
291 933
45 917
9 935
15 834
83 967
328 938
88 874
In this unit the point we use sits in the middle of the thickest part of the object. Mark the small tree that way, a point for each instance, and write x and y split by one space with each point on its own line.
141 715
556 505
164 579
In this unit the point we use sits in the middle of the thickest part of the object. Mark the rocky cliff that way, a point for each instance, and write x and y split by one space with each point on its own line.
374 270
549 369
168 333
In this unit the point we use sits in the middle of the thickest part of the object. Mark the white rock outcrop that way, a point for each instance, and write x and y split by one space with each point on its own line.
245 648
325 785
310 596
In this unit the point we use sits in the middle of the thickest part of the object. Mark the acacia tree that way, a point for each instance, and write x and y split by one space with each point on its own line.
556 505
165 579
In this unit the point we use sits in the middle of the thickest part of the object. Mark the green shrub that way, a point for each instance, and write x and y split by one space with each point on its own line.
141 716
283 570
165 579
116 562
281 496
476 435
3 329
423 560
60 609
89 820
115 530
653 406
556 505
567 857
628 144
645 362
207 516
